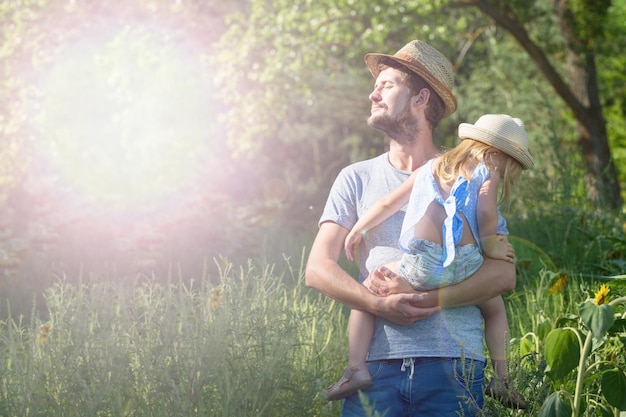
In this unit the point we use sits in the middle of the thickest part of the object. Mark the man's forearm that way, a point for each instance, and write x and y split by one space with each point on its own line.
324 274
401 309
492 279
331 280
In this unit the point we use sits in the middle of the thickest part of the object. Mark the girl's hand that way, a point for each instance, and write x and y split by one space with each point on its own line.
383 282
502 249
353 240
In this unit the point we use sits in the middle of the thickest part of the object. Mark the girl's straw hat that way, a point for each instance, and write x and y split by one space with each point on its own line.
502 132
428 63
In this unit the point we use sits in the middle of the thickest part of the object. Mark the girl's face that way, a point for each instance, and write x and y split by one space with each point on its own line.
496 159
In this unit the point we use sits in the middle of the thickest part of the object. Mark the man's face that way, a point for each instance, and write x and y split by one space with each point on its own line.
391 110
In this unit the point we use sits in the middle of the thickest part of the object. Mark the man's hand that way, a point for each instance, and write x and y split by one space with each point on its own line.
403 308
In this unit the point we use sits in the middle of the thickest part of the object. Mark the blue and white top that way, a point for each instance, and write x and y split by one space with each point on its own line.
463 198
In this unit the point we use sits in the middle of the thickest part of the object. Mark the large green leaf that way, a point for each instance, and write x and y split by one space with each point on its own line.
556 405
613 384
598 319
562 352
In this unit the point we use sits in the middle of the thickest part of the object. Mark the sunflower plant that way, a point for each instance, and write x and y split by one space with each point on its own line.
585 360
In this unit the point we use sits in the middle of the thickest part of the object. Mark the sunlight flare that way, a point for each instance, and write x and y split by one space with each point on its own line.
124 116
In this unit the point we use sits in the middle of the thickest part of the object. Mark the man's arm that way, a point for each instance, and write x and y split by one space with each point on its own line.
492 279
324 274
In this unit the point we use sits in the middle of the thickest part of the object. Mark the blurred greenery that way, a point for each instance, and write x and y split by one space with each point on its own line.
284 92
199 293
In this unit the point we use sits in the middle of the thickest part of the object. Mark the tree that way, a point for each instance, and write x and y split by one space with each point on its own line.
282 53
581 23
295 84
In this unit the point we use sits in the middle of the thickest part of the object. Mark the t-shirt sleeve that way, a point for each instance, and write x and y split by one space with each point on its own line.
502 229
341 206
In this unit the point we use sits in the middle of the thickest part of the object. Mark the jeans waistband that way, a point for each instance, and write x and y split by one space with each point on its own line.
415 359
421 359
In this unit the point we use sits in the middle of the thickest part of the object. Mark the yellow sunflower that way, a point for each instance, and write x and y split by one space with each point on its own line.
601 294
215 298
44 333
559 284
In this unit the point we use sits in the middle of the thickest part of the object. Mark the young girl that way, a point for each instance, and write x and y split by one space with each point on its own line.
452 216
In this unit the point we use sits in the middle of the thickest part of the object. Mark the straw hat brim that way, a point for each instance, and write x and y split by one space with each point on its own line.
372 61
470 131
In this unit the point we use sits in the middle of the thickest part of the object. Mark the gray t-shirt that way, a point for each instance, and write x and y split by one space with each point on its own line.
451 333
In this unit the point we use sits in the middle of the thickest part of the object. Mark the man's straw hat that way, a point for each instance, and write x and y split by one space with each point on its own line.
502 132
428 63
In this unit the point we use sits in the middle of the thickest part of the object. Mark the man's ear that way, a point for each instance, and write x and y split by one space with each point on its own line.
422 97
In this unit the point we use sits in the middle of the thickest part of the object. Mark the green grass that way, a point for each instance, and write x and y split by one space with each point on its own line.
256 344
248 340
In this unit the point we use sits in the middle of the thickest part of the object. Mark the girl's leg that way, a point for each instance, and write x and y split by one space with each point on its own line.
496 333
360 332
497 336
356 376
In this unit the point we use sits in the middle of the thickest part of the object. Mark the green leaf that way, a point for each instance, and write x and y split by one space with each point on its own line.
605 410
556 405
543 329
527 344
598 319
613 385
562 352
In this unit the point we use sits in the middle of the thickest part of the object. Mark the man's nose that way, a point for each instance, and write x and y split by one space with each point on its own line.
375 96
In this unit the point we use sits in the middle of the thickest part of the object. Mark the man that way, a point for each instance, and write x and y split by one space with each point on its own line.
426 356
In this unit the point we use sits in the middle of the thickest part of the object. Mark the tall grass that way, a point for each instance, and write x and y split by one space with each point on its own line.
576 240
254 344
252 340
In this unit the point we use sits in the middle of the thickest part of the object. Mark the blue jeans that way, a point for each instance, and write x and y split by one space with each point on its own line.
421 387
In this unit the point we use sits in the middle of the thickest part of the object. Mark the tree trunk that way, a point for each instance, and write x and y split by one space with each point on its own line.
581 95
601 173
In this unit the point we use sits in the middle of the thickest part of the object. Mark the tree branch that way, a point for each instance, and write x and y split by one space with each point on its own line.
512 25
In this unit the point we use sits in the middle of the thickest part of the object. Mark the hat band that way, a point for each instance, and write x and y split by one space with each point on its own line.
411 60
498 140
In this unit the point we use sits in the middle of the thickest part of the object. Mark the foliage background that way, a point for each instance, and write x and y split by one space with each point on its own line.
206 136
271 105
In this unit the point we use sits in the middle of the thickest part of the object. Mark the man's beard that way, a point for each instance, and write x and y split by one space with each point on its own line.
402 128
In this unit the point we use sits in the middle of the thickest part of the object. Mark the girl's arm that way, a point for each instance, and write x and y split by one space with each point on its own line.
380 211
487 216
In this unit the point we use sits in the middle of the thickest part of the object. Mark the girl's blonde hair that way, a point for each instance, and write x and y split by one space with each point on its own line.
463 158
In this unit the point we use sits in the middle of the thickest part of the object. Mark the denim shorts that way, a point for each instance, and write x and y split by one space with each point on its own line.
423 267
421 387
